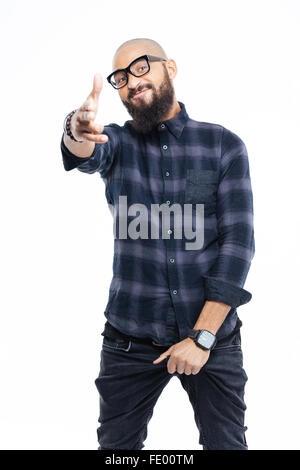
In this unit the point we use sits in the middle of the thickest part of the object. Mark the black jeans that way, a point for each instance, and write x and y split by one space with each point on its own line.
129 386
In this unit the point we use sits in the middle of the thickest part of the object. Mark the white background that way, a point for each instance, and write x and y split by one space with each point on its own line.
238 65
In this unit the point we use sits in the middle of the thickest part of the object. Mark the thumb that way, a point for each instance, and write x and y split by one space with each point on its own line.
163 356
97 86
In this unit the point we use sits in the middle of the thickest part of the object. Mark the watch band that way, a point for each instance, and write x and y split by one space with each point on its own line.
67 126
193 333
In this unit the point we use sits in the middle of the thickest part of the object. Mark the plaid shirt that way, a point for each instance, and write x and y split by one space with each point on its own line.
181 161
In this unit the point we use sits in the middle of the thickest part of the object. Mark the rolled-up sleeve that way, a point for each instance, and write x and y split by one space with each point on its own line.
102 157
235 225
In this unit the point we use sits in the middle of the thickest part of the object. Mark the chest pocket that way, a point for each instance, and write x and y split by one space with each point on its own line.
201 188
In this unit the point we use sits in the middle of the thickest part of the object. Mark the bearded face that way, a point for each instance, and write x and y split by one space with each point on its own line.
152 106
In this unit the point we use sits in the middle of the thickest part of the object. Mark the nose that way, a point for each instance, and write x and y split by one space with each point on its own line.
133 82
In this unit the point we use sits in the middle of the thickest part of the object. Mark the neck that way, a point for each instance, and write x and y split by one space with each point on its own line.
173 111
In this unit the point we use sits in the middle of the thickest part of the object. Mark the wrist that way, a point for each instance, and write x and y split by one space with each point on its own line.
73 127
203 338
206 327
69 127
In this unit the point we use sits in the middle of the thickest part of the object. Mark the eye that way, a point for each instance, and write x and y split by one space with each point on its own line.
120 80
142 68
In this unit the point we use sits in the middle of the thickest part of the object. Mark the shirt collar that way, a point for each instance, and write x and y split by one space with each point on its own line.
177 122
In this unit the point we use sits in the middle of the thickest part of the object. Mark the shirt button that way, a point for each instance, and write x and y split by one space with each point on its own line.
167 173
169 231
165 147
168 202
172 260
162 126
174 291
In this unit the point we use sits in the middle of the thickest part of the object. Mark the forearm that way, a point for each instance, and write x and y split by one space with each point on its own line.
102 157
80 149
212 316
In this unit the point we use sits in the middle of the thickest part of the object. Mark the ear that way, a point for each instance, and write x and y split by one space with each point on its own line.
172 68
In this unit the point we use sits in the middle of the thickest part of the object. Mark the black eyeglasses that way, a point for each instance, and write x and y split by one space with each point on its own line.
138 67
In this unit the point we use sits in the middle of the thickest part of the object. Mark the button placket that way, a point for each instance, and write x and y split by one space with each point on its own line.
168 196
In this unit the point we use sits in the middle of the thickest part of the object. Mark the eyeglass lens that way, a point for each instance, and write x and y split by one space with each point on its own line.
138 68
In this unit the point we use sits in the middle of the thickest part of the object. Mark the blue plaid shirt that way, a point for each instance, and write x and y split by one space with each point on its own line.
181 161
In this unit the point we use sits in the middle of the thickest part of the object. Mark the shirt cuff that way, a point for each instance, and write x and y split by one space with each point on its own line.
71 161
223 291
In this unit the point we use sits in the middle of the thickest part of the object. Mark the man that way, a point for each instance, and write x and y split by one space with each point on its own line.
172 306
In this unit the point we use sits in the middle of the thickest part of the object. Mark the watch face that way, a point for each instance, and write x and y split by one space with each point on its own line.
206 339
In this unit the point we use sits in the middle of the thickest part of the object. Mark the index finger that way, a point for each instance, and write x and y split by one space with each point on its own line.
162 357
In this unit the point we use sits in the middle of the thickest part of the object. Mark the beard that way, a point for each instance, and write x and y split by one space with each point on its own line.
147 115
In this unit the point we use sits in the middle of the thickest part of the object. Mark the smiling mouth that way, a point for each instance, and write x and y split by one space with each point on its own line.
140 93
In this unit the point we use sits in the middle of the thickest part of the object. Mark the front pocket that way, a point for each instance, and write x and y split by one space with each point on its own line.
116 344
232 342
201 188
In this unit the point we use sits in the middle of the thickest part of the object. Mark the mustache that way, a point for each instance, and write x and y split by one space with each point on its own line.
140 88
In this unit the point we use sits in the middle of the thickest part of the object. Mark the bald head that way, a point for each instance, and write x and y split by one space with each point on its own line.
149 95
137 47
